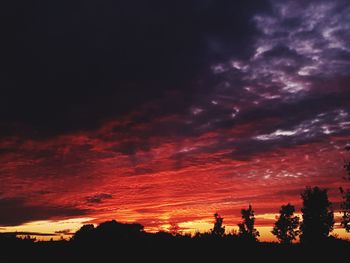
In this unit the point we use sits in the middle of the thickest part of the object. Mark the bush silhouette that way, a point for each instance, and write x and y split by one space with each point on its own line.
85 233
108 231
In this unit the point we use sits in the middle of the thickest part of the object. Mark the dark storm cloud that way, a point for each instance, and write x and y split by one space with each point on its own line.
98 198
294 85
70 65
283 62
15 211
281 52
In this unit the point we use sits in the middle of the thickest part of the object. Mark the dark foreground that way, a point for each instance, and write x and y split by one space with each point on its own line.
166 248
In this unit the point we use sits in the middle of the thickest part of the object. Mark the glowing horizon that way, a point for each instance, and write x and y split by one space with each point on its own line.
56 230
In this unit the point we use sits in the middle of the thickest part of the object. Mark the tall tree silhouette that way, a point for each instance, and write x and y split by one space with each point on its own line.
286 226
318 217
218 229
246 228
345 205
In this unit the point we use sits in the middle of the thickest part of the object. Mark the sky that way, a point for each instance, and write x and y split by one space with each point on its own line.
165 112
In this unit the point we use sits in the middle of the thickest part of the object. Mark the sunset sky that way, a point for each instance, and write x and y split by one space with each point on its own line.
165 112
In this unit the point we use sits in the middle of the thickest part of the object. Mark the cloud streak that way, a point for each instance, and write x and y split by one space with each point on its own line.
18 212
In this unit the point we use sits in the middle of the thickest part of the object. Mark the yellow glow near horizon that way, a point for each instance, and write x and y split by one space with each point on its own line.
49 227
190 227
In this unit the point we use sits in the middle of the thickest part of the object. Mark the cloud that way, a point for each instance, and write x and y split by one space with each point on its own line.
294 84
64 232
25 233
18 212
98 198
103 60
316 31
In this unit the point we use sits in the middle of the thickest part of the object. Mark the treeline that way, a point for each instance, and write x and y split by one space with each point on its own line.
114 241
316 225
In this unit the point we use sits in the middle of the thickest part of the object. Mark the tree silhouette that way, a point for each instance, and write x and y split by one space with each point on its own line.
174 229
345 205
114 230
285 228
218 229
246 228
85 233
318 217
108 231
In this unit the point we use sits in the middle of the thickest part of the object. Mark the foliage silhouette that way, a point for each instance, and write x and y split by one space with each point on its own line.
286 226
345 205
347 163
93 244
318 217
85 233
246 228
174 229
117 240
108 231
218 229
